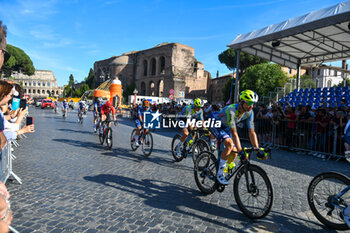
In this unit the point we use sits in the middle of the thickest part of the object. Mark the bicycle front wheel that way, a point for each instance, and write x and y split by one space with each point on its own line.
322 199
132 140
174 143
109 138
253 191
205 169
198 148
101 134
147 144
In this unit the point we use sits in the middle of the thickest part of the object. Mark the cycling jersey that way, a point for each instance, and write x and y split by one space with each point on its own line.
97 106
105 110
65 105
139 112
189 112
81 105
229 116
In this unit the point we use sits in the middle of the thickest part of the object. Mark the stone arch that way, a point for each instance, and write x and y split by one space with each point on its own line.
145 65
151 88
143 88
162 65
56 92
153 66
160 88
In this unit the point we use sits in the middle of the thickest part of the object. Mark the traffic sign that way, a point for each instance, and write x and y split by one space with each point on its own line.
171 97
171 91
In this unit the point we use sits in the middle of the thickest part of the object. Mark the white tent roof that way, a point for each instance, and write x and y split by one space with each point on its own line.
319 36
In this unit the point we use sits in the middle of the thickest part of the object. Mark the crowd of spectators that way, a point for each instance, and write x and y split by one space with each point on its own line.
320 131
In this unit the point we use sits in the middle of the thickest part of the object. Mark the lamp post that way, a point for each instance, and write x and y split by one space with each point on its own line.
135 94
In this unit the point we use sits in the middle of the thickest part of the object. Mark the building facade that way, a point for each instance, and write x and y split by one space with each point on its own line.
39 85
157 70
215 92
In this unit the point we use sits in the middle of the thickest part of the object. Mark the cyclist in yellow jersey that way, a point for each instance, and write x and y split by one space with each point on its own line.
230 116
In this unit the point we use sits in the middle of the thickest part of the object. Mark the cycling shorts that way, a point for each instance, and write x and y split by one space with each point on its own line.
221 133
138 123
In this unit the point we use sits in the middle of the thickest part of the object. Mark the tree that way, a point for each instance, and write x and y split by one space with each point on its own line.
129 90
245 60
342 83
90 79
226 90
263 78
306 81
19 61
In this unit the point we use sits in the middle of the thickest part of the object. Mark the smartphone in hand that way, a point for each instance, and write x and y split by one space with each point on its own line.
23 104
29 120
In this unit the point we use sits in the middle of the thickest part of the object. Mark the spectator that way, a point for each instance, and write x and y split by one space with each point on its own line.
322 122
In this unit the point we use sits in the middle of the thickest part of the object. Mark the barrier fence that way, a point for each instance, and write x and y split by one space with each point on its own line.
6 162
326 142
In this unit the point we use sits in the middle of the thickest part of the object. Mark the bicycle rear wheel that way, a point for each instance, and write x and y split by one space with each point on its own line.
147 144
198 148
132 140
101 134
205 169
253 191
321 197
109 138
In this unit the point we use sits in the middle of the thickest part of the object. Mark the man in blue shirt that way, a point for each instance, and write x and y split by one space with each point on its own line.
138 118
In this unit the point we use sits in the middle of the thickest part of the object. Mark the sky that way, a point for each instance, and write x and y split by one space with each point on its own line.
68 36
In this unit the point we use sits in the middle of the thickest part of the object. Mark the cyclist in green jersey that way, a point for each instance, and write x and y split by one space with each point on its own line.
230 116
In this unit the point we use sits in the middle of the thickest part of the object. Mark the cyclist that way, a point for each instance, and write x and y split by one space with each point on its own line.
138 118
193 111
97 112
106 109
230 116
64 107
81 107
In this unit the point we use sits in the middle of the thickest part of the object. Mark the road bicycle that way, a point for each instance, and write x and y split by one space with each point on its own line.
195 144
145 140
252 187
106 132
328 195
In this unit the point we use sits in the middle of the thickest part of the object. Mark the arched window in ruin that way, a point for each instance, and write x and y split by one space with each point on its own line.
145 67
153 66
162 65
143 89
151 89
329 83
160 88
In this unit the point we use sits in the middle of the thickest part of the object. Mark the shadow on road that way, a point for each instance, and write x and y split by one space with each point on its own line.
78 143
137 155
76 131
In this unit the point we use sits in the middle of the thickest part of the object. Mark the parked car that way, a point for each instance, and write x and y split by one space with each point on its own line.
47 103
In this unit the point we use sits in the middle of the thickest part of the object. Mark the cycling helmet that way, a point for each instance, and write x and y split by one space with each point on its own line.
198 102
146 103
249 96
109 103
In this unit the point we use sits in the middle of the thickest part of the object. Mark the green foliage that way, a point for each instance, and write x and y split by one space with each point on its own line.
71 80
227 57
129 89
19 61
306 81
342 83
90 80
263 78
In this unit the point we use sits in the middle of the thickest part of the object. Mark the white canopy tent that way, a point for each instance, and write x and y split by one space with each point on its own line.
314 38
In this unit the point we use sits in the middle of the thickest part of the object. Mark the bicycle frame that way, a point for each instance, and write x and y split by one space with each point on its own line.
336 200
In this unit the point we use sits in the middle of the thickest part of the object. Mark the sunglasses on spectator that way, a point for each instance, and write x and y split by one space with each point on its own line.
249 103
7 55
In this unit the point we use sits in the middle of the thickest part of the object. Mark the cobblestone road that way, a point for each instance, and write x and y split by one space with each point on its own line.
73 184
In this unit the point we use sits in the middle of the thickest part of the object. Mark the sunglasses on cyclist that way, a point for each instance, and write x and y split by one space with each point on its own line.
7 55
249 103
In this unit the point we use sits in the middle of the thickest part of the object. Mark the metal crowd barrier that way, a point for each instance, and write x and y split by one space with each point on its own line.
6 163
327 143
